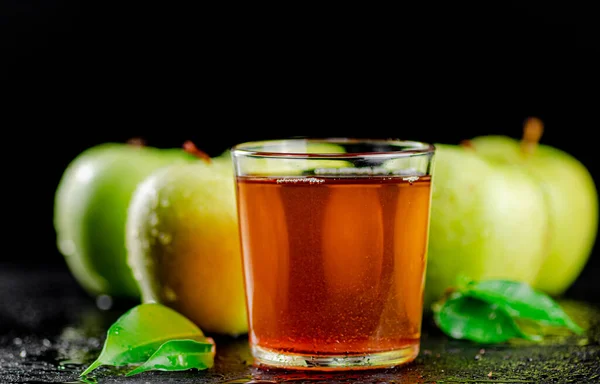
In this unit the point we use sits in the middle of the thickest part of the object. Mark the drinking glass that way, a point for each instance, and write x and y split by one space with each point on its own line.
334 237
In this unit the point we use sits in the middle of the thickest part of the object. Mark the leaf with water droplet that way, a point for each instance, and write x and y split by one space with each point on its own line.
494 311
179 355
139 332
522 301
464 317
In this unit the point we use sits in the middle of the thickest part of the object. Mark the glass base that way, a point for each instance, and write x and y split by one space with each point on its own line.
270 358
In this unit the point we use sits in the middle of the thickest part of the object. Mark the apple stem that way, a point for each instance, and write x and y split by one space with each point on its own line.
467 144
191 148
136 142
532 133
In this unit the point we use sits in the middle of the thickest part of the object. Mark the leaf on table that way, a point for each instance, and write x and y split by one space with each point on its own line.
464 317
179 355
521 301
138 333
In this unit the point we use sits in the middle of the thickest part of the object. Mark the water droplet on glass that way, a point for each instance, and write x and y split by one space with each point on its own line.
153 219
46 343
17 341
164 238
154 232
23 353
164 203
169 294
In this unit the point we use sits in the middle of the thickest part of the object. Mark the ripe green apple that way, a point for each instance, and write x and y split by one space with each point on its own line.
571 199
183 243
504 208
488 220
90 208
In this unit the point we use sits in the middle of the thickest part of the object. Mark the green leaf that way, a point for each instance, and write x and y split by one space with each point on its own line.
521 301
464 317
138 333
179 355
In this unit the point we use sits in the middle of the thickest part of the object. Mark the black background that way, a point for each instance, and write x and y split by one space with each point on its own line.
81 73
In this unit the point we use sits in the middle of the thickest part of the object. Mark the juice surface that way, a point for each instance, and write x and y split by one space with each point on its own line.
334 265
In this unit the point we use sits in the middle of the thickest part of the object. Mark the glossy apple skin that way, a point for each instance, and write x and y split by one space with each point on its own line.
572 202
90 209
184 247
488 220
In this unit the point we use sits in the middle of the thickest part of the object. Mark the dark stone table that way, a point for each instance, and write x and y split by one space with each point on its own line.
50 330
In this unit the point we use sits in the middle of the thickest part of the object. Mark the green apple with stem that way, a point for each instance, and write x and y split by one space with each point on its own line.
571 199
183 243
504 208
90 209
488 220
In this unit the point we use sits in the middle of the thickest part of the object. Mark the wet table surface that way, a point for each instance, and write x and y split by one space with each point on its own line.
50 330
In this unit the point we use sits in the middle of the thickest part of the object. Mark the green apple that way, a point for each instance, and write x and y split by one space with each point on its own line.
504 208
488 220
90 208
571 199
183 244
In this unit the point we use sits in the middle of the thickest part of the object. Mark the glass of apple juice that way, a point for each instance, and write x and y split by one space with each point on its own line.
334 237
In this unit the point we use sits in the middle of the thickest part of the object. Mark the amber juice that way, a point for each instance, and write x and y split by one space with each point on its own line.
334 265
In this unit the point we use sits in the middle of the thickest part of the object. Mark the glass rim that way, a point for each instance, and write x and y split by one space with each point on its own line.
409 148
